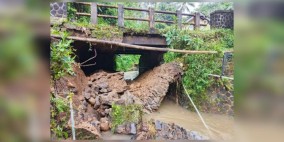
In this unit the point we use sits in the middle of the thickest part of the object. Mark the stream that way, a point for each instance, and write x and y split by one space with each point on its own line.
221 125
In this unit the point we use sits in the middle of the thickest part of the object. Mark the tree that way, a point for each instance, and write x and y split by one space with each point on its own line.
207 8
185 7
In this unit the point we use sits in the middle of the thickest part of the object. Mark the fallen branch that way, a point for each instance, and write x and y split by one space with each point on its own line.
88 65
119 44
90 58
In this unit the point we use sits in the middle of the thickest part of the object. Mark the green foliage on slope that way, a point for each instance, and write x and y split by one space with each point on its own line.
198 66
126 62
61 57
121 114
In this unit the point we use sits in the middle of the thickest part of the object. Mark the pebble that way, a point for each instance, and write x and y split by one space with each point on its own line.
120 129
92 100
104 126
158 125
132 128
97 101
70 85
96 123
104 119
85 103
87 95
103 90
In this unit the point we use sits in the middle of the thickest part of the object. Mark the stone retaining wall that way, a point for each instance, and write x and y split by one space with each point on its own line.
58 9
220 98
222 19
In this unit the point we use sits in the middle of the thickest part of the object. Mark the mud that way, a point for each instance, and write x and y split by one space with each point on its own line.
74 84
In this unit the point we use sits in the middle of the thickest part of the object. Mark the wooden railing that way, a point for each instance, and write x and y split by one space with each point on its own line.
151 14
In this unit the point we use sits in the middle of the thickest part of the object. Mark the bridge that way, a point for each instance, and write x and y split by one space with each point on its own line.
149 58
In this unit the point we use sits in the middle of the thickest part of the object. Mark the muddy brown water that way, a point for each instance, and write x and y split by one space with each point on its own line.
108 135
221 125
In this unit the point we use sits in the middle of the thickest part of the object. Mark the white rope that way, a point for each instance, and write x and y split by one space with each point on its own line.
209 129
205 125
72 119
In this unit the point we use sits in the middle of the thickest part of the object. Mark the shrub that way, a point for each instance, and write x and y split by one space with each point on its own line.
126 62
62 57
57 122
198 66
121 114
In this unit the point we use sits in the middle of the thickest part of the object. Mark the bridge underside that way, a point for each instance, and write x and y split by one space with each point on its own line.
106 53
153 40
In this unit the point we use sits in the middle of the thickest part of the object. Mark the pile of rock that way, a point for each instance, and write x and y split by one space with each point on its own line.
128 128
103 89
149 89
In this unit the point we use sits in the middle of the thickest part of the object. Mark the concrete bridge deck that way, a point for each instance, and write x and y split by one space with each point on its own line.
105 53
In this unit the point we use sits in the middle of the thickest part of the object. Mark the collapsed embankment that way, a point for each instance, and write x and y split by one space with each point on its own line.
95 95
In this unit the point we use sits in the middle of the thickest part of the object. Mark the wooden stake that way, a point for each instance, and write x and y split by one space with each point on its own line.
94 13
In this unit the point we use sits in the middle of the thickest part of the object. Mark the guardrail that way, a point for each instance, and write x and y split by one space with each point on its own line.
151 12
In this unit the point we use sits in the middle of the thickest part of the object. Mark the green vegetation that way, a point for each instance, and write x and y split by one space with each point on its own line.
99 31
59 112
62 61
209 7
62 57
224 82
198 66
103 31
126 62
71 10
121 114
130 26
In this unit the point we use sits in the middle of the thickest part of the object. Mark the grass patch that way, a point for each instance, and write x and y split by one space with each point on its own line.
121 114
126 62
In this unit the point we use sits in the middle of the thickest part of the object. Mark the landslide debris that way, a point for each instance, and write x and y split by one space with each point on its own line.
152 86
99 91
103 89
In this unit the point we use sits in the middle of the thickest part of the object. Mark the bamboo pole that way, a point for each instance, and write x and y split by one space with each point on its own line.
136 46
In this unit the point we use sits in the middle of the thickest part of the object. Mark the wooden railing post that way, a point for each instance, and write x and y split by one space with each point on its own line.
197 21
120 20
179 19
94 13
151 19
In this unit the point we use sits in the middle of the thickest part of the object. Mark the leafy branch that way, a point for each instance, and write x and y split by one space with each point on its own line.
62 57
